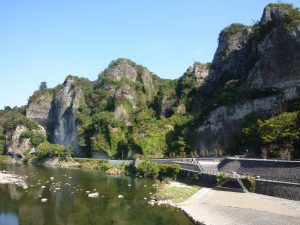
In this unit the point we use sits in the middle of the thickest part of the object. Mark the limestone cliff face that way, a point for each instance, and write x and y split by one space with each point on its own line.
123 79
278 53
56 111
65 106
277 56
224 122
41 109
231 53
18 146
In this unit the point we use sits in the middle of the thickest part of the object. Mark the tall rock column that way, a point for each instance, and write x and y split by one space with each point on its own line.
66 104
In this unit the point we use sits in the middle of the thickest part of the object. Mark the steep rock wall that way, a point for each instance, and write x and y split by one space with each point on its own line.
56 112
277 53
41 109
65 107
224 122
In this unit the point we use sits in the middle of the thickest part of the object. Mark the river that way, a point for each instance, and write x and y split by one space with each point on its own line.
70 205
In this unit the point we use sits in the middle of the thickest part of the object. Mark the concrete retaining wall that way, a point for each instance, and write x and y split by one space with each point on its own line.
278 189
288 171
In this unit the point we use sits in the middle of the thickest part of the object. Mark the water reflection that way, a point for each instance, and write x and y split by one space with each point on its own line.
8 219
68 203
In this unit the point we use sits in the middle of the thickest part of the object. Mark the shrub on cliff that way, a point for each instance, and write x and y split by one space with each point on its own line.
35 137
46 150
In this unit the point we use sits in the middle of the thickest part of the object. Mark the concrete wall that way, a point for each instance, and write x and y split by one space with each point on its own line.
278 189
288 171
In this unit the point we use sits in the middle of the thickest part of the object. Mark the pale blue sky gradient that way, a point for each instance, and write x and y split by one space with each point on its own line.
46 40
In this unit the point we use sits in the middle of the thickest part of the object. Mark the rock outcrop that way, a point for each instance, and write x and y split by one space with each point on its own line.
41 109
123 79
121 69
56 111
278 54
18 145
255 71
66 104
276 50
273 13
231 54
225 122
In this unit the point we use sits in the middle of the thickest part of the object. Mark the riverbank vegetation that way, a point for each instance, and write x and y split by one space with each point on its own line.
145 168
276 137
45 151
174 192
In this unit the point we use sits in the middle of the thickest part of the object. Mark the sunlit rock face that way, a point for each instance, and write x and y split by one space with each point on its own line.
65 107
266 59
18 145
41 109
56 112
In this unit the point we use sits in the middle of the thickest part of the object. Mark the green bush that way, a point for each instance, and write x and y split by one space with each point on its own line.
13 122
148 169
46 150
35 138
231 30
249 183
152 169
171 170
221 177
28 157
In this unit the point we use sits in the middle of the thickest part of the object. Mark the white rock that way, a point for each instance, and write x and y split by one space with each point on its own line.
25 187
152 202
43 187
120 196
88 192
44 200
94 195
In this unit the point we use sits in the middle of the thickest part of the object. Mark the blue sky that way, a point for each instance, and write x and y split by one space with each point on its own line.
46 40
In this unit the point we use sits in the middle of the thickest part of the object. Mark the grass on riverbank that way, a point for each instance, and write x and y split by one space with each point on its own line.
5 158
175 192
101 166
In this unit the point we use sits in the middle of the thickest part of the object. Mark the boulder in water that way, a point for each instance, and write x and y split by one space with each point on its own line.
93 195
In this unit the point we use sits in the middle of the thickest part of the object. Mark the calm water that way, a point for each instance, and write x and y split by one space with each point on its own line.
71 206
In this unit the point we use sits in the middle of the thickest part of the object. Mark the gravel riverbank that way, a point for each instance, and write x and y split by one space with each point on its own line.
6 178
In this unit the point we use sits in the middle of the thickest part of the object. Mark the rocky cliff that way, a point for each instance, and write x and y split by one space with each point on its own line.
21 143
129 110
56 111
258 58
65 106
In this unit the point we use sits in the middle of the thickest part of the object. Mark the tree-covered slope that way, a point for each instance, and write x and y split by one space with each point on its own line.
211 109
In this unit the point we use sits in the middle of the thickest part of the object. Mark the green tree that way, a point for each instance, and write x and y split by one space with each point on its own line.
278 134
43 86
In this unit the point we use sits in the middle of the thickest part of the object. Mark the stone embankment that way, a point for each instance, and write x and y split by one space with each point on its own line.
273 177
